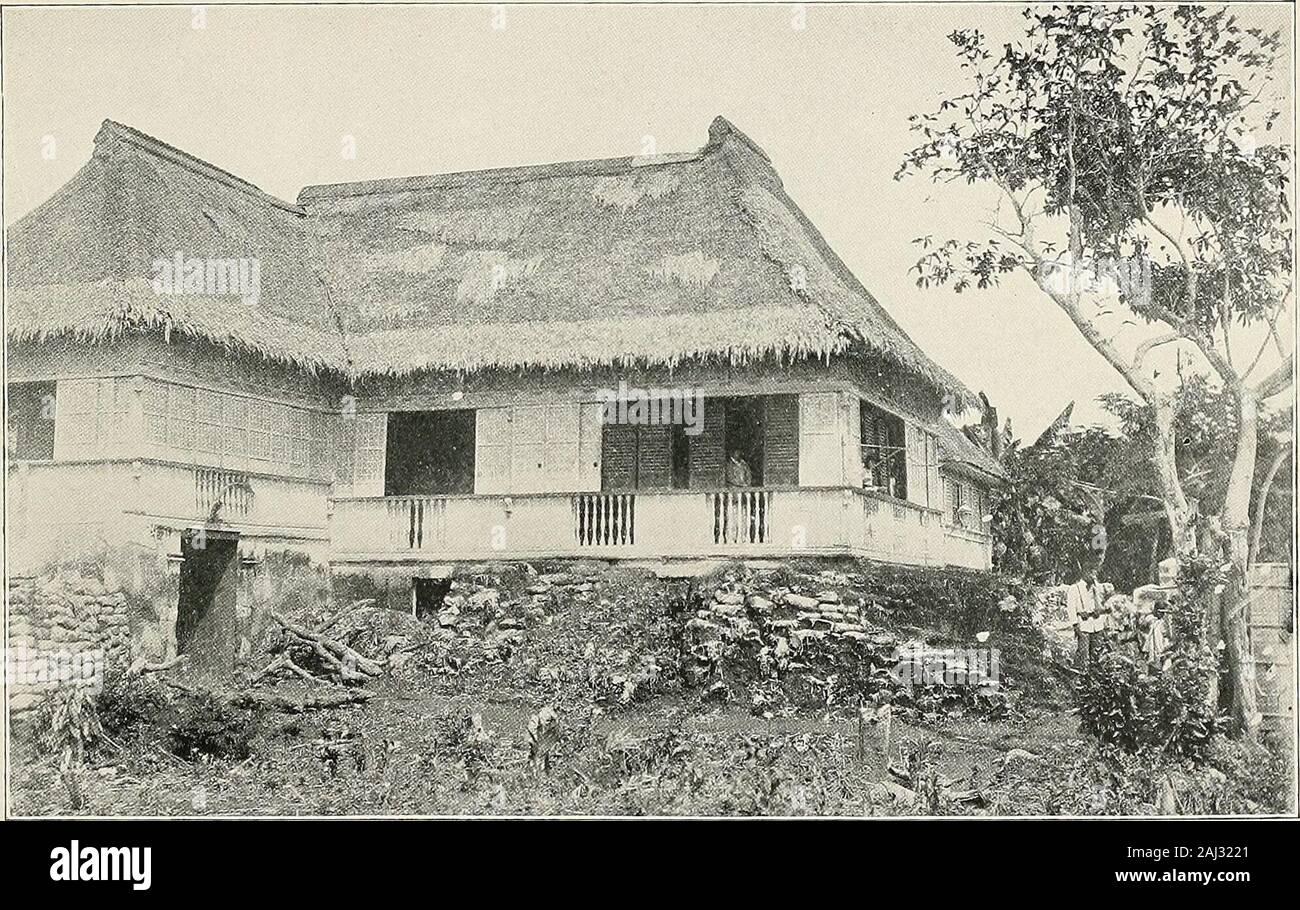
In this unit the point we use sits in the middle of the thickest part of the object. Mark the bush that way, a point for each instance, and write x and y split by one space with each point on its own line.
127 704
1124 706
1128 706
68 726
207 727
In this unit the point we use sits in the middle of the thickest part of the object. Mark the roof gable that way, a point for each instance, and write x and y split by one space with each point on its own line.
647 260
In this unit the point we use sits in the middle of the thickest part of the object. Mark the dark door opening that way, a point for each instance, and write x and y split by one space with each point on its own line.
30 427
207 627
429 594
743 422
429 453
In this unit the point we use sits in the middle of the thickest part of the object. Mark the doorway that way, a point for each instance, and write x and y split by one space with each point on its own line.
430 453
743 422
207 627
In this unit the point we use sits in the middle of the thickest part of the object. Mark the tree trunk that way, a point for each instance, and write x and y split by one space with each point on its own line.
1235 520
1181 514
1261 507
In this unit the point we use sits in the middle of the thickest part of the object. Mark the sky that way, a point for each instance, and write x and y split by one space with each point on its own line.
276 96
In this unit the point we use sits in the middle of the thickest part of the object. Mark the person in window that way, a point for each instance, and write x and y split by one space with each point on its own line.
738 472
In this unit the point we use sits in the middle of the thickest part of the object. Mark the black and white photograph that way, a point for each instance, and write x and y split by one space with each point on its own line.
876 411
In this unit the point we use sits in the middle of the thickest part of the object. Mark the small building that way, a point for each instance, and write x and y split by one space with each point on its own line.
656 359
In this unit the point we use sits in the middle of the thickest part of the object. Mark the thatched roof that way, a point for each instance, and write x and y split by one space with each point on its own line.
83 262
640 261
957 451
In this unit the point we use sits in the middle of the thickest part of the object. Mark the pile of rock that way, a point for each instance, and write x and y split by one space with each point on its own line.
64 630
782 641
750 631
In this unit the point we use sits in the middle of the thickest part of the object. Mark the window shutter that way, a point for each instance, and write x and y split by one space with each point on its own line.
208 436
933 487
914 462
618 456
345 450
368 468
491 450
654 457
780 440
852 441
590 421
820 450
527 449
706 450
561 459
74 419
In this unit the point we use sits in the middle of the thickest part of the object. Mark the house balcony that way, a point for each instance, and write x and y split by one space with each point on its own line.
66 509
648 525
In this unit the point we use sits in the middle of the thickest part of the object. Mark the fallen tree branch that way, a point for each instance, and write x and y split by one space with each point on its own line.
344 662
285 662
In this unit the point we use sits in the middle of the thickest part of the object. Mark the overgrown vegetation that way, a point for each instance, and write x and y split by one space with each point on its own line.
1164 709
554 719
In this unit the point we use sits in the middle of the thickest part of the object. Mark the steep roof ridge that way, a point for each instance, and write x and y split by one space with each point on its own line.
593 167
751 162
111 131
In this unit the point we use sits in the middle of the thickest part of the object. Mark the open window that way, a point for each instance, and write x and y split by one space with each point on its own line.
29 431
761 431
743 422
429 453
884 451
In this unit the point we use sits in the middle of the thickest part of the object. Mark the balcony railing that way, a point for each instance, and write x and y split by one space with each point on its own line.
604 519
741 516
647 524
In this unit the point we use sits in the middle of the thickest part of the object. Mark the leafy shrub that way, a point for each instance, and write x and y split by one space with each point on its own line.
1127 705
68 725
207 727
126 704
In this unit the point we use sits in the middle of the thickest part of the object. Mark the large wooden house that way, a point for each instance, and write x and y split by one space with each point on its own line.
398 375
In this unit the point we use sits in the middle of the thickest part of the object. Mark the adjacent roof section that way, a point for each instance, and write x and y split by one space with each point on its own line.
86 260
956 450
652 260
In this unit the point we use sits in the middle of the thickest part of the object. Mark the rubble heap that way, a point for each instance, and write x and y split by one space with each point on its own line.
802 643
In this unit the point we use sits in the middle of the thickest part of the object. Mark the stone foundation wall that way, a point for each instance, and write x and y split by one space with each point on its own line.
64 630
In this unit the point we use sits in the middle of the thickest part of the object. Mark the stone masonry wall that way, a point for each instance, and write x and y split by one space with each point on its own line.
64 630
